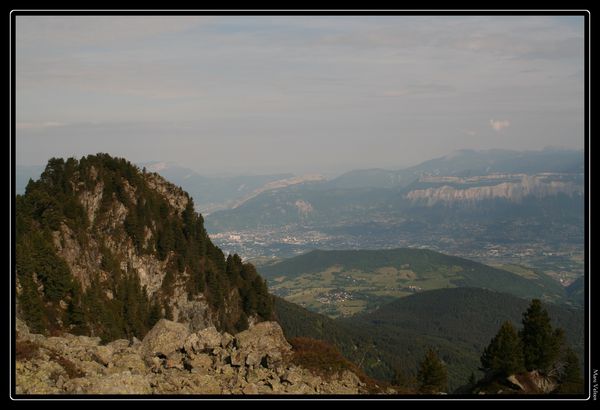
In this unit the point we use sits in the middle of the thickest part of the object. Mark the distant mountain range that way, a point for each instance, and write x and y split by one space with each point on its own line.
211 193
370 195
466 163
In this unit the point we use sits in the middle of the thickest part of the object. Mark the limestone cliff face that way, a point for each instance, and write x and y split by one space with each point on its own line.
171 359
512 191
106 230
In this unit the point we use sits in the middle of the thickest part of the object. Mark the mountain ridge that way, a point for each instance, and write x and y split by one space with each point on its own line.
106 249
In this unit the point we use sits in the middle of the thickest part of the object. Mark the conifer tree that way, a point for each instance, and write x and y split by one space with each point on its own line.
570 378
541 343
432 375
504 355
472 379
75 316
32 305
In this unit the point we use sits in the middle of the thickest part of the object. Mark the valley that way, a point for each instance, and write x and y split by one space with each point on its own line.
495 207
344 283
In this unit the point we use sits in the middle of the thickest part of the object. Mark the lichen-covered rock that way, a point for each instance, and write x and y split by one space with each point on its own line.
38 377
238 358
103 355
203 341
118 345
250 388
128 360
118 383
175 361
22 329
264 336
261 345
226 340
163 339
171 361
199 362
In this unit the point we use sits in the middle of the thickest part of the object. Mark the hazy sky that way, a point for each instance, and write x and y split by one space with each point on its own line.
299 94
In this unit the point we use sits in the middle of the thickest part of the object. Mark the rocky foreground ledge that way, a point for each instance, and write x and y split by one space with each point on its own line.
171 360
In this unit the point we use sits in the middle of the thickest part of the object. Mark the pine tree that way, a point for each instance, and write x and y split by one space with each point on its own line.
32 305
153 314
75 316
401 379
571 381
541 344
504 354
432 375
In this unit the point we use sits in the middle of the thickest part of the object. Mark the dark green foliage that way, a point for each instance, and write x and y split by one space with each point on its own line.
154 314
242 322
570 377
134 306
537 347
215 287
264 303
541 343
36 255
432 375
75 317
504 355
115 305
402 380
576 291
460 322
103 315
253 289
32 305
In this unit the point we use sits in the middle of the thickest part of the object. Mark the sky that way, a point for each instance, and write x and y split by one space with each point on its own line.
321 94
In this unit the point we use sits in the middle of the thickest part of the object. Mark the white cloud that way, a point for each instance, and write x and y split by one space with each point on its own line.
498 125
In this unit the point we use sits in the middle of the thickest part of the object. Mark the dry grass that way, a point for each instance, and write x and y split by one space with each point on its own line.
26 350
72 371
326 361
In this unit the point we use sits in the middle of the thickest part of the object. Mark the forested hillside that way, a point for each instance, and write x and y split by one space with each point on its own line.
107 249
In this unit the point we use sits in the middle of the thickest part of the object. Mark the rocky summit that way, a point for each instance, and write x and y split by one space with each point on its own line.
171 359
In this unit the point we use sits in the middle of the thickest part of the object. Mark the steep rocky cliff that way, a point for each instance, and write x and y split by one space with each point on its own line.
514 191
106 249
171 359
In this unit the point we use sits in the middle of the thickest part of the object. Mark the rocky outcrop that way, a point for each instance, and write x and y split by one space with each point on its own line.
171 360
164 339
533 382
177 198
83 253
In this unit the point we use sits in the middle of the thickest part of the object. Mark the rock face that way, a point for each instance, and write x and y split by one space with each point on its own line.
170 360
512 191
